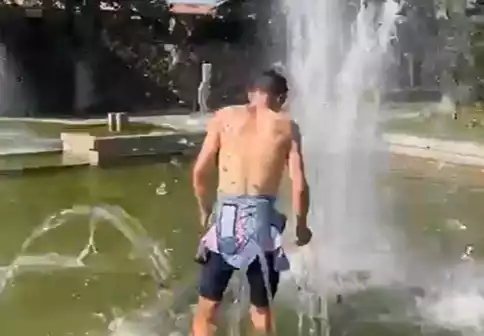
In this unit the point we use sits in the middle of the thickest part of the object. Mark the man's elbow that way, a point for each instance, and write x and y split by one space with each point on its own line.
300 187
299 183
197 178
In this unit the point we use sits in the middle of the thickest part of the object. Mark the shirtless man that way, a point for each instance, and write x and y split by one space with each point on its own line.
252 145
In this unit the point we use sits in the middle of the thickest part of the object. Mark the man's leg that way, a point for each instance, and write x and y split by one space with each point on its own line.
261 311
214 279
203 320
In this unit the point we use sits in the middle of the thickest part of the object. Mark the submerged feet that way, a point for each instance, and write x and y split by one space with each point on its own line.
261 321
204 319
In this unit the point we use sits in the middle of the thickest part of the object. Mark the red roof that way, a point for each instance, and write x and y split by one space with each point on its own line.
197 9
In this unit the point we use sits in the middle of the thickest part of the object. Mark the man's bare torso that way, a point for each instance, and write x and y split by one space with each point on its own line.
253 151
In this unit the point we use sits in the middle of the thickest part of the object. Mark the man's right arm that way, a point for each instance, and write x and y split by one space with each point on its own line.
204 164
300 188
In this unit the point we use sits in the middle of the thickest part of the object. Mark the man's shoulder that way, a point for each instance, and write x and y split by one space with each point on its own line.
224 114
289 123
230 110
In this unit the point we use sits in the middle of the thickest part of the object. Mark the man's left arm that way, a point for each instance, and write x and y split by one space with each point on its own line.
204 165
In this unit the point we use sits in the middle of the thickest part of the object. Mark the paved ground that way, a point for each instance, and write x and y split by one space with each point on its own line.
458 152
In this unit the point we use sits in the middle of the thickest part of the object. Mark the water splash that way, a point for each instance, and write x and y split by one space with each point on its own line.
171 314
455 299
143 247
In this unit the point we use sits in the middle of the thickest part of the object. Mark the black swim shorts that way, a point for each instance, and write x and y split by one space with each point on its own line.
216 273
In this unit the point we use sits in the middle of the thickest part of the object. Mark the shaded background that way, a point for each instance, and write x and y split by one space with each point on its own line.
86 64
134 55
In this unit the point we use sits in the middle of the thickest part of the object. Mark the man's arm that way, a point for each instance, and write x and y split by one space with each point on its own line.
204 165
300 188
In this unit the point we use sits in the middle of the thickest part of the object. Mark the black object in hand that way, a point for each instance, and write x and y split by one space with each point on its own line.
202 255
304 235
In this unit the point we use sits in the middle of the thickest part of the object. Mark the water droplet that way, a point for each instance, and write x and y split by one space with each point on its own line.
175 162
469 250
161 190
455 224
183 141
100 316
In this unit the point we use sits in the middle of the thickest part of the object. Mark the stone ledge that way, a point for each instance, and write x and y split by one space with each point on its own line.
114 149
459 152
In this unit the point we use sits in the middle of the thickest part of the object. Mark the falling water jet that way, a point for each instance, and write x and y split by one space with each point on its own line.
349 136
340 145
131 229
340 142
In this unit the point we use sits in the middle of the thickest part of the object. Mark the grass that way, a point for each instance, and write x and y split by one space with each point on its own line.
469 125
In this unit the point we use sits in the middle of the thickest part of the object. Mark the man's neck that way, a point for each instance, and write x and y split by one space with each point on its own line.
260 110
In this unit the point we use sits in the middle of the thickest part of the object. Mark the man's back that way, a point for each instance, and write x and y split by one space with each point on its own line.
253 144
253 150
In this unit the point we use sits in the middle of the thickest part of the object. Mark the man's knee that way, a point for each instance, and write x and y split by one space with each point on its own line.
262 319
206 309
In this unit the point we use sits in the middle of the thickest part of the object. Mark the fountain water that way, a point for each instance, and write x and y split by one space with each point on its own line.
132 230
145 249
331 86
336 102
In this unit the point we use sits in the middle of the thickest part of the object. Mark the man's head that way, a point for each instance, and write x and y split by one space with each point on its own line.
269 89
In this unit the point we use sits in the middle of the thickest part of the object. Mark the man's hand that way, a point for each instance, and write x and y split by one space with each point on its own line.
303 234
205 215
205 211
300 188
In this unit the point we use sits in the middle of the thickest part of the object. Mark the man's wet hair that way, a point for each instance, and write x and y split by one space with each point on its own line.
271 82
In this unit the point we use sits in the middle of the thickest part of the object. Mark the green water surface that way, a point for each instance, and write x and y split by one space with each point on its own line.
83 301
